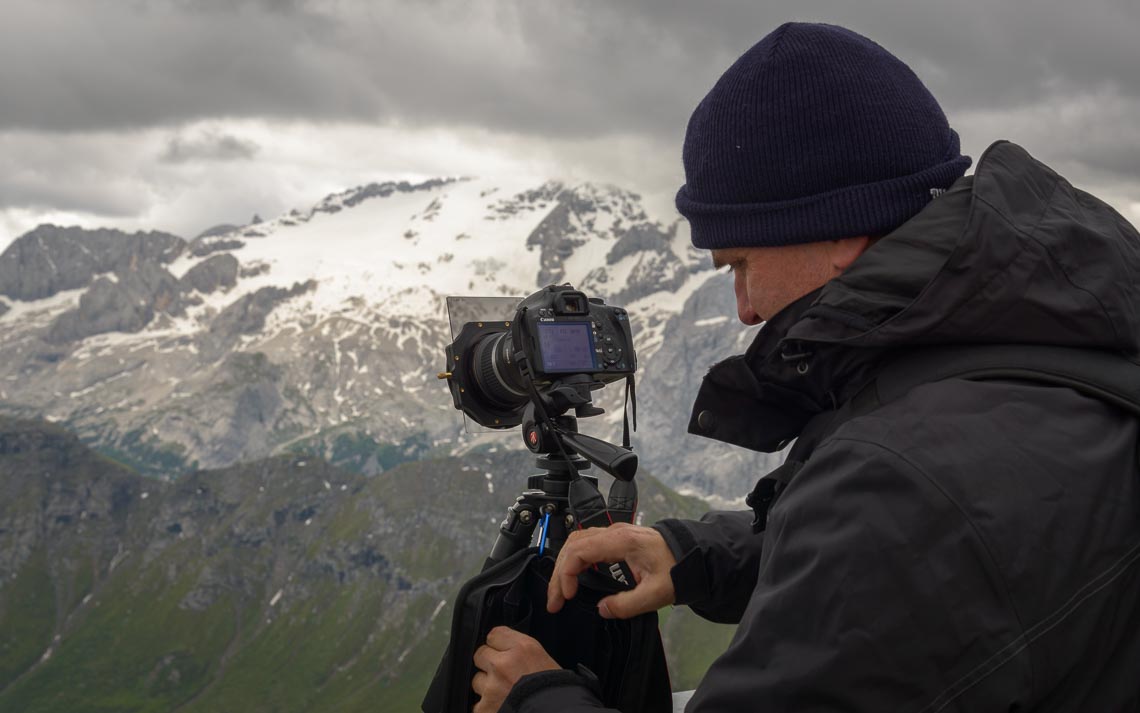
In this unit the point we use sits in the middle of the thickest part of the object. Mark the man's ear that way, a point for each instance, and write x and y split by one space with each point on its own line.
844 252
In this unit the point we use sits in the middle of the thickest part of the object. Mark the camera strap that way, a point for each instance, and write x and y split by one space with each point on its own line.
629 405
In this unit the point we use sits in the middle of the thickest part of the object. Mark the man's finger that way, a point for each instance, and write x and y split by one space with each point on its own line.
502 638
482 658
479 683
611 545
557 591
578 536
486 706
624 605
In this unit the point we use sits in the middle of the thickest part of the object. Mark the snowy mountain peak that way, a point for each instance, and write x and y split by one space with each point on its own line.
322 324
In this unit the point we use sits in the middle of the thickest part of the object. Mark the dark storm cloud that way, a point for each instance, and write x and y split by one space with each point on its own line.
68 66
590 68
971 53
537 67
209 146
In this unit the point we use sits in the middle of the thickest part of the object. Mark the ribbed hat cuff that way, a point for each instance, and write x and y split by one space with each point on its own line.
867 209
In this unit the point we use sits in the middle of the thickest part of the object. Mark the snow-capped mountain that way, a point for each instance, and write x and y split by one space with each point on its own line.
323 329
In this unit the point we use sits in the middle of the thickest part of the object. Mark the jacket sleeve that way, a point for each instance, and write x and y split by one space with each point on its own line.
718 558
555 692
875 594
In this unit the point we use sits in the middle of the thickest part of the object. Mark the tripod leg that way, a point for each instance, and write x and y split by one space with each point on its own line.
515 531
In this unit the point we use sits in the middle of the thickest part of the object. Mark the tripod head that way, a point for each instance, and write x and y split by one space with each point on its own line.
560 498
546 430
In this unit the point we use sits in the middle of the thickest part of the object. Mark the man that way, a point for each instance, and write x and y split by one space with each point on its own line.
970 546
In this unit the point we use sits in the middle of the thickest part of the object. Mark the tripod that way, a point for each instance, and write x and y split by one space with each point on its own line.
560 499
626 655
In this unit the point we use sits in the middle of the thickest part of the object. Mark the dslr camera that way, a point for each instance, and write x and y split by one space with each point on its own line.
558 337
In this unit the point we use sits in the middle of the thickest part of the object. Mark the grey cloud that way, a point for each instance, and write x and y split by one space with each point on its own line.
110 200
92 66
51 173
571 69
208 146
972 53
114 180
1088 135
543 69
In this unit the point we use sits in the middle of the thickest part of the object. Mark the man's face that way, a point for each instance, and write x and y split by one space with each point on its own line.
769 279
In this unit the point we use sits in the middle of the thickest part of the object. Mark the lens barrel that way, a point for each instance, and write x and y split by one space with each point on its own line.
496 373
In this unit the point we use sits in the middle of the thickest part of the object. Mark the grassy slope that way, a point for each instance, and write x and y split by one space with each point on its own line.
362 565
27 618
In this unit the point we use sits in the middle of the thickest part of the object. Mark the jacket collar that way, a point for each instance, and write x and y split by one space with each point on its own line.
1012 254
763 398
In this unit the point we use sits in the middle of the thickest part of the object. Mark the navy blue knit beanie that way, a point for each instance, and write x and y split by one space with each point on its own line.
816 133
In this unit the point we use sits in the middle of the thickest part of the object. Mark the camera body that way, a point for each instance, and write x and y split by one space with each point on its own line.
557 333
564 332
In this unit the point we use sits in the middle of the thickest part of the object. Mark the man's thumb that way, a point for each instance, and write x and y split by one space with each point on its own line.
624 605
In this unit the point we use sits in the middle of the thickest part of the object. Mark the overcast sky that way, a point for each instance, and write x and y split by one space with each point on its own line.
181 114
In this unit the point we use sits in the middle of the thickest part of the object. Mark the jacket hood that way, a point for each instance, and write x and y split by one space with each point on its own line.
1013 254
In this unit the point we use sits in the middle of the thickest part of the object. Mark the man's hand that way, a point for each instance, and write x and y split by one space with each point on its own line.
506 657
642 548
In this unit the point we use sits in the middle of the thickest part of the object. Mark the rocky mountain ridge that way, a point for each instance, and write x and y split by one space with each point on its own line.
321 331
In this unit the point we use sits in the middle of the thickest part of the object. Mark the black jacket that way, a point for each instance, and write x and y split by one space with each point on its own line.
971 546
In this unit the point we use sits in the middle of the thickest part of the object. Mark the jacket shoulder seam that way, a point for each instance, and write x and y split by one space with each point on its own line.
950 499
1027 635
1042 627
1010 603
1031 234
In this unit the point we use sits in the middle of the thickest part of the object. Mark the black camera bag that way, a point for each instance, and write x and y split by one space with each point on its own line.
625 656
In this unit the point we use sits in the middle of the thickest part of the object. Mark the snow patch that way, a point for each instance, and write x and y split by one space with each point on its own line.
438 608
710 321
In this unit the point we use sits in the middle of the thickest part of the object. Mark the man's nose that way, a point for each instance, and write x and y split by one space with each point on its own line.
744 306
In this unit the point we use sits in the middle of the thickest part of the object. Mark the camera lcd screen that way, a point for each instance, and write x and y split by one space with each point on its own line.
566 346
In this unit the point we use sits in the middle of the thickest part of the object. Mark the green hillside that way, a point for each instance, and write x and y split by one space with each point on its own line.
282 585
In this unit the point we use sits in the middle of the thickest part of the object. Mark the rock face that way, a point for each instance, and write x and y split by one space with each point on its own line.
247 315
126 303
284 584
656 266
705 332
218 272
641 237
557 236
205 245
383 190
242 429
220 229
50 259
50 486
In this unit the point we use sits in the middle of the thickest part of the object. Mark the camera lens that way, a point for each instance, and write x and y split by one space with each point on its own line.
496 373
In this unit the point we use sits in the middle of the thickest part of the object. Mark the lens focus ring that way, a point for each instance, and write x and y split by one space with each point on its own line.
497 379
